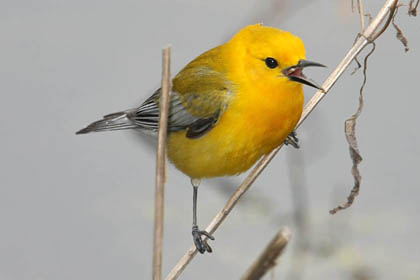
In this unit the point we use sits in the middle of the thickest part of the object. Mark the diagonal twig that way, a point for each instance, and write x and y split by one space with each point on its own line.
268 259
161 165
368 36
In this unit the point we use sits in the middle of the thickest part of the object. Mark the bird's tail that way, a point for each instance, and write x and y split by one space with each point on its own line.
115 121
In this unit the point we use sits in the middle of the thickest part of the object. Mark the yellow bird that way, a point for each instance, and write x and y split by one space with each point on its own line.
229 107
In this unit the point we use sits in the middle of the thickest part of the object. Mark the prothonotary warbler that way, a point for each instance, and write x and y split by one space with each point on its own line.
229 107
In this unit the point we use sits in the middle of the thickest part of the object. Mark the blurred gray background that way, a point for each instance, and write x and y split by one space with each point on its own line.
81 207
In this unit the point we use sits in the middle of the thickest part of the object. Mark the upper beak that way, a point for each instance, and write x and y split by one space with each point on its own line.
294 73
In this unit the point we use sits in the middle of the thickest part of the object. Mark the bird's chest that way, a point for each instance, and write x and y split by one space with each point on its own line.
266 118
249 128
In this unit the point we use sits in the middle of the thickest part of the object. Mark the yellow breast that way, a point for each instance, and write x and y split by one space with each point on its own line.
250 127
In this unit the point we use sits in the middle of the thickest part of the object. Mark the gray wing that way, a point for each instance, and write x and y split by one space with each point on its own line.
195 112
147 117
199 97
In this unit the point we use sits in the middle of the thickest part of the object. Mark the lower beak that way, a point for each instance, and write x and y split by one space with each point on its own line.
294 73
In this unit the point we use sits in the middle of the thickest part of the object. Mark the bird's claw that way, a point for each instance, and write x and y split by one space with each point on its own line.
201 244
292 140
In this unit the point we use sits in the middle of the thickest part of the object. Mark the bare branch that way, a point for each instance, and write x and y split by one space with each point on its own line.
368 36
350 124
161 165
268 259
362 15
412 9
358 65
350 130
391 10
400 35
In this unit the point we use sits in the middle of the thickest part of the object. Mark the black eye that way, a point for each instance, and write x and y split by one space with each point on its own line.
271 62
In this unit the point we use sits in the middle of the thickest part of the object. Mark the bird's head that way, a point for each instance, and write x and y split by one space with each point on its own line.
269 55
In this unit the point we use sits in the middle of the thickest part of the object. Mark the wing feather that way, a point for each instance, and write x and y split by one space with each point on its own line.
198 100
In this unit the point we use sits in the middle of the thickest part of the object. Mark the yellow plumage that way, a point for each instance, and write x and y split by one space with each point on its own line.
229 106
262 109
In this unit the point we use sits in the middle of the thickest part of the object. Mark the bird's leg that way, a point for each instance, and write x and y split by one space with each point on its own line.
197 234
292 140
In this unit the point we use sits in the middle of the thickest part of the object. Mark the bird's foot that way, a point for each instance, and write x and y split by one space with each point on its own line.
199 243
292 140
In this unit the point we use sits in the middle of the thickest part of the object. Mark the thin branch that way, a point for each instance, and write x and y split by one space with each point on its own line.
391 9
392 13
362 15
400 35
358 65
350 130
412 9
268 259
350 124
161 165
363 40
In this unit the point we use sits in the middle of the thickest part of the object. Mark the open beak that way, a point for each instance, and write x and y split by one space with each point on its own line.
294 73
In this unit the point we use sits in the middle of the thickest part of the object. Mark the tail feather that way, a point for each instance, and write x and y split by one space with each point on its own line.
114 121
